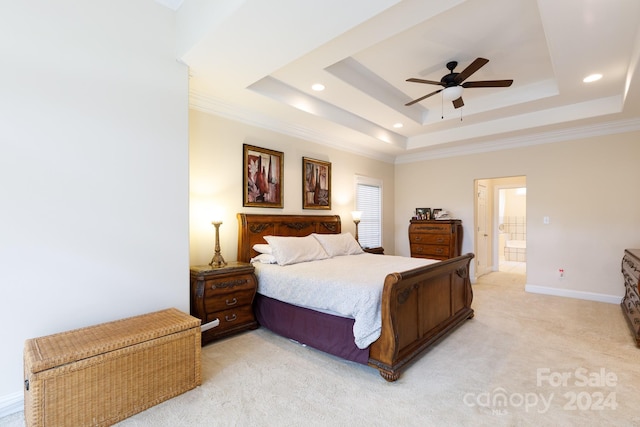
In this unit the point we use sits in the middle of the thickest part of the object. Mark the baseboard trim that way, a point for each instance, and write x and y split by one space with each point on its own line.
11 403
590 296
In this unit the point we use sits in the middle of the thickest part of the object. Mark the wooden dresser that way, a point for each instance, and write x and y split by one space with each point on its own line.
435 239
222 298
631 302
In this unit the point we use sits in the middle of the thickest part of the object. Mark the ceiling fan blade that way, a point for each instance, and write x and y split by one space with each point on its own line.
457 103
472 68
430 82
488 83
421 98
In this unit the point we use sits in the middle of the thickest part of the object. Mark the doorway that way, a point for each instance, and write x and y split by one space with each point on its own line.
500 225
512 230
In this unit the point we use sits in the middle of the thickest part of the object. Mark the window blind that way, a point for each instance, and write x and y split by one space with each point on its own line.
369 202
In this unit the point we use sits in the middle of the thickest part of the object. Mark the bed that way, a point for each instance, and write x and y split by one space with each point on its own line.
418 306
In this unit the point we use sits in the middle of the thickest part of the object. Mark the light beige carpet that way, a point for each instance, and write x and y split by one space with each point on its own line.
523 360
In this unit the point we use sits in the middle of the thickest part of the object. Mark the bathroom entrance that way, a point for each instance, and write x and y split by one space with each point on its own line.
501 225
512 229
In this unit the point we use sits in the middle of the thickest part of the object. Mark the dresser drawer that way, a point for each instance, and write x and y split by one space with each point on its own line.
631 267
428 251
230 319
219 301
430 228
430 239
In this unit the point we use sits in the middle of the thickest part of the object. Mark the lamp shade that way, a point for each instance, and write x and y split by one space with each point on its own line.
356 215
452 92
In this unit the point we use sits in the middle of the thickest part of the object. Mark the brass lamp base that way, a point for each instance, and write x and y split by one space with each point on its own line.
217 261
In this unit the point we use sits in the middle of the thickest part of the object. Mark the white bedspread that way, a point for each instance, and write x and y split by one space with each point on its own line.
349 286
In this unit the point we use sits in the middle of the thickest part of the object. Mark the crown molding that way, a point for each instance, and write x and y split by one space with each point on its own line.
608 128
210 105
214 106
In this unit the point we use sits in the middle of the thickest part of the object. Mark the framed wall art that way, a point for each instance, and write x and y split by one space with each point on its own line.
263 177
316 184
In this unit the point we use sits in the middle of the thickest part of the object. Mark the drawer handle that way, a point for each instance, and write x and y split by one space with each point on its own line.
440 240
419 249
230 318
439 250
418 238
231 302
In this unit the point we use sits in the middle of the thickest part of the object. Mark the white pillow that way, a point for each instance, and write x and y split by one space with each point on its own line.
262 248
264 259
338 244
292 250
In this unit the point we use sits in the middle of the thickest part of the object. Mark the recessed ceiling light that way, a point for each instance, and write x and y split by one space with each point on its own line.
592 78
318 87
398 125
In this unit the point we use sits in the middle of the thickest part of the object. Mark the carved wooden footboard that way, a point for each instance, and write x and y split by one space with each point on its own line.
419 307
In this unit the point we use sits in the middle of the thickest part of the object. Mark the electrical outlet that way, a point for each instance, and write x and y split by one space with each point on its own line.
561 273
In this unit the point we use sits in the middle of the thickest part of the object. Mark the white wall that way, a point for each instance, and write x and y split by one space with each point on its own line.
216 157
586 187
94 169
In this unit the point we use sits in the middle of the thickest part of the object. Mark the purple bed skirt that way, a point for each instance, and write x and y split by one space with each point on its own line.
331 334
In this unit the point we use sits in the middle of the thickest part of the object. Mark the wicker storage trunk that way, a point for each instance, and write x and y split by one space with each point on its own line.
99 375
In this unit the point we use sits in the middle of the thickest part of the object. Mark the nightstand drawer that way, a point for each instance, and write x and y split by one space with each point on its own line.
229 284
219 301
233 318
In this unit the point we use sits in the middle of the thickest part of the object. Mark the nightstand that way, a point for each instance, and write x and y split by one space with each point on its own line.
222 298
378 251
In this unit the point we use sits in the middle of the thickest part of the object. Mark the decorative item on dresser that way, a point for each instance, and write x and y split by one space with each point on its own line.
222 298
631 301
436 239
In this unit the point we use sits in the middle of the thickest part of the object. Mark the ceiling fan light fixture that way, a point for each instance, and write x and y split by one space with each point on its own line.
452 92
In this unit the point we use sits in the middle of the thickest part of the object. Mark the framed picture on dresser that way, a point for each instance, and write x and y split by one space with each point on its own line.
423 213
263 177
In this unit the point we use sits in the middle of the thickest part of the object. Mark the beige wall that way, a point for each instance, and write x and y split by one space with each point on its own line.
572 182
586 187
216 157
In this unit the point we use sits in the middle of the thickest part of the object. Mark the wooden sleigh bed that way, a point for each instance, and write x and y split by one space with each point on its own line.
419 306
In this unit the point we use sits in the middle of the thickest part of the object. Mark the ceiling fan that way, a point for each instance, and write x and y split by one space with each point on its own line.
453 82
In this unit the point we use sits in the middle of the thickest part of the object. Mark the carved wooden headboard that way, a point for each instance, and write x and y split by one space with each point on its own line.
253 227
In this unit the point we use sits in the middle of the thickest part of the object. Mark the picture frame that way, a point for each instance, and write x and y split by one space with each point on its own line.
316 184
423 213
263 178
435 212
